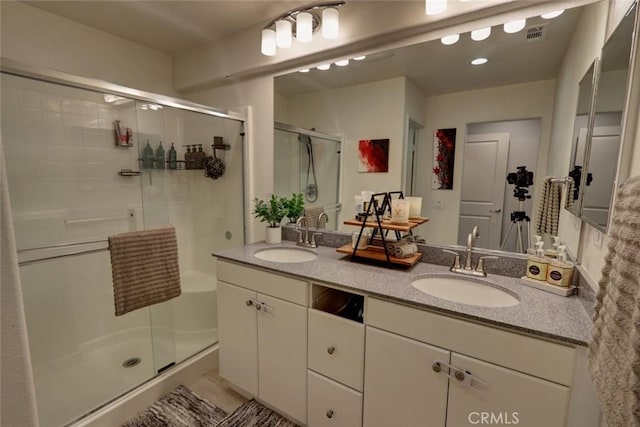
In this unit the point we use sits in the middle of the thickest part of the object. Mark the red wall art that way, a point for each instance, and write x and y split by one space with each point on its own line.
444 150
374 155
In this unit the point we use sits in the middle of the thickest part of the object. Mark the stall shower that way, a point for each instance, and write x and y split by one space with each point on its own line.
308 162
79 170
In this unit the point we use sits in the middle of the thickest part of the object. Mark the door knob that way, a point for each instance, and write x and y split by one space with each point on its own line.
495 210
331 350
330 413
459 375
436 367
249 303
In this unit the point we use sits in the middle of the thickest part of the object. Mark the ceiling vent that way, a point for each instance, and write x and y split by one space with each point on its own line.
535 34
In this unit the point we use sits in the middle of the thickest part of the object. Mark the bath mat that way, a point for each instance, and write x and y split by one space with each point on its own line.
254 414
180 408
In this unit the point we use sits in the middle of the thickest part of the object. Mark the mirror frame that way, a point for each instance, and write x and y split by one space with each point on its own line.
594 68
621 171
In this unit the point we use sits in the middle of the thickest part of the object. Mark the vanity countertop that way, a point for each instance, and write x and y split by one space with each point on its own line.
538 313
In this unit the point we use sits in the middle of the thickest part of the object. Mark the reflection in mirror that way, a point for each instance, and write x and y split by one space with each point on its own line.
604 144
411 92
579 140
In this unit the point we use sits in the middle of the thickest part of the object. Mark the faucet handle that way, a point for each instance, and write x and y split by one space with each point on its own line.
456 261
480 266
299 235
313 240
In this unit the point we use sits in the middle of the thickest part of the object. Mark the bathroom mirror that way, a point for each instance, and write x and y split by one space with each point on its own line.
581 127
383 97
604 142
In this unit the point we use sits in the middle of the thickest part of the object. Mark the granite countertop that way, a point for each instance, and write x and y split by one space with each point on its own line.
538 313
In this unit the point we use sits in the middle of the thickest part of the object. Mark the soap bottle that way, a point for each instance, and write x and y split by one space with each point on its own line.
173 158
147 156
553 253
200 157
532 249
537 264
160 158
188 158
560 270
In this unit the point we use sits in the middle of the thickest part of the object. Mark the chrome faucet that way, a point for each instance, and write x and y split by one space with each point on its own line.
306 243
326 219
468 269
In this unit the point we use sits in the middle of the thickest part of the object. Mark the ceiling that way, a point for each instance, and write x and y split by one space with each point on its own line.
439 69
169 26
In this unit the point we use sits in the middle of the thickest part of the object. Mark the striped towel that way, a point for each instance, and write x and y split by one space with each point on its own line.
548 213
144 266
312 214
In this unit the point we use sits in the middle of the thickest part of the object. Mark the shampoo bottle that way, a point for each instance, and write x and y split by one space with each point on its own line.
147 156
160 158
560 270
173 157
537 264
188 158
200 157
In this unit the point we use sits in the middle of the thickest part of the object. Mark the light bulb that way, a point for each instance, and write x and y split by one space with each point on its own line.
514 26
342 63
304 27
552 15
479 61
481 34
283 33
268 42
304 70
434 7
324 67
330 23
450 39
359 58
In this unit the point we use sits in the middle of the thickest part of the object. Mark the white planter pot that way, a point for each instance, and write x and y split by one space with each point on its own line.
273 235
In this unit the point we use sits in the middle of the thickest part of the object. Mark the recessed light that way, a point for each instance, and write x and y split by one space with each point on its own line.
481 34
304 70
514 26
450 39
479 61
342 63
552 15
435 7
359 58
324 67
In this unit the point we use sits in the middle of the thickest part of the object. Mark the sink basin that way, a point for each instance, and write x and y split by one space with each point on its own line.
286 255
464 291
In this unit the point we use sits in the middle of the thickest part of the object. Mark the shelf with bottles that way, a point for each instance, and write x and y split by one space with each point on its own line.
195 157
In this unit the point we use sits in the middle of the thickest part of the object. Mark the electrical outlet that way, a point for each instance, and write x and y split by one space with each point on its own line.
437 204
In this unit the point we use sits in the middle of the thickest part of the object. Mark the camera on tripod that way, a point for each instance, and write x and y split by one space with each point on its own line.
522 178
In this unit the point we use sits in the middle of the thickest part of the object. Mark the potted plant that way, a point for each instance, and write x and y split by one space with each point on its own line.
272 213
294 206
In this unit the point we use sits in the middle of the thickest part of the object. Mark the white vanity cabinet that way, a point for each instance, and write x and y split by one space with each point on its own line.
262 320
425 369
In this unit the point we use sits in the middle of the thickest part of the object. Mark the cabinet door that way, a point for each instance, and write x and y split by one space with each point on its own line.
282 362
238 334
331 404
503 397
400 386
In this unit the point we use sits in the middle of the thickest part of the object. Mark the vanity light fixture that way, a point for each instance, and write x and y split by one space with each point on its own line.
324 67
479 61
450 39
514 26
304 70
359 58
552 15
302 23
481 34
434 7
342 63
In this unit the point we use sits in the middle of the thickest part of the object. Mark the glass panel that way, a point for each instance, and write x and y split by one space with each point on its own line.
309 165
62 166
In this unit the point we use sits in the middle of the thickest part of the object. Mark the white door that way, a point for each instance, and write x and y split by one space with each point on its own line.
282 362
238 333
483 185
401 388
503 397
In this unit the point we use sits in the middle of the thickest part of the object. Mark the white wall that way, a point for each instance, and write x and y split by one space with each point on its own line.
367 111
456 110
40 38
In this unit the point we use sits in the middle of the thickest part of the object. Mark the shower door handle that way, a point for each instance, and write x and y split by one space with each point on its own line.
495 210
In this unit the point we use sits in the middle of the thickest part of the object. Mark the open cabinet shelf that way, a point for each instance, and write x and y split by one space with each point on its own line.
377 253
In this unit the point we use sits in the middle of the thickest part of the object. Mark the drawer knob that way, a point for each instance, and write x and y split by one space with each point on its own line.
249 303
459 375
330 413
331 350
436 367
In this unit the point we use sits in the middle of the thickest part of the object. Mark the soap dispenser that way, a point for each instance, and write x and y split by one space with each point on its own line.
560 270
187 157
160 158
553 252
537 264
173 158
147 156
200 157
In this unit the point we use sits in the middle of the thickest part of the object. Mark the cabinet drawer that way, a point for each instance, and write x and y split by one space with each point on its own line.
275 285
543 359
332 404
336 348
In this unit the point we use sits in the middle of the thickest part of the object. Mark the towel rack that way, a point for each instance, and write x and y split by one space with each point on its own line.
62 245
48 258
98 219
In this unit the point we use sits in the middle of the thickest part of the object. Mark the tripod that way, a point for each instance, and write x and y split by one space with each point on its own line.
517 218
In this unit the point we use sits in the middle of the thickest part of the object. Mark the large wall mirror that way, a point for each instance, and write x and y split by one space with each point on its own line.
404 95
605 137
581 127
